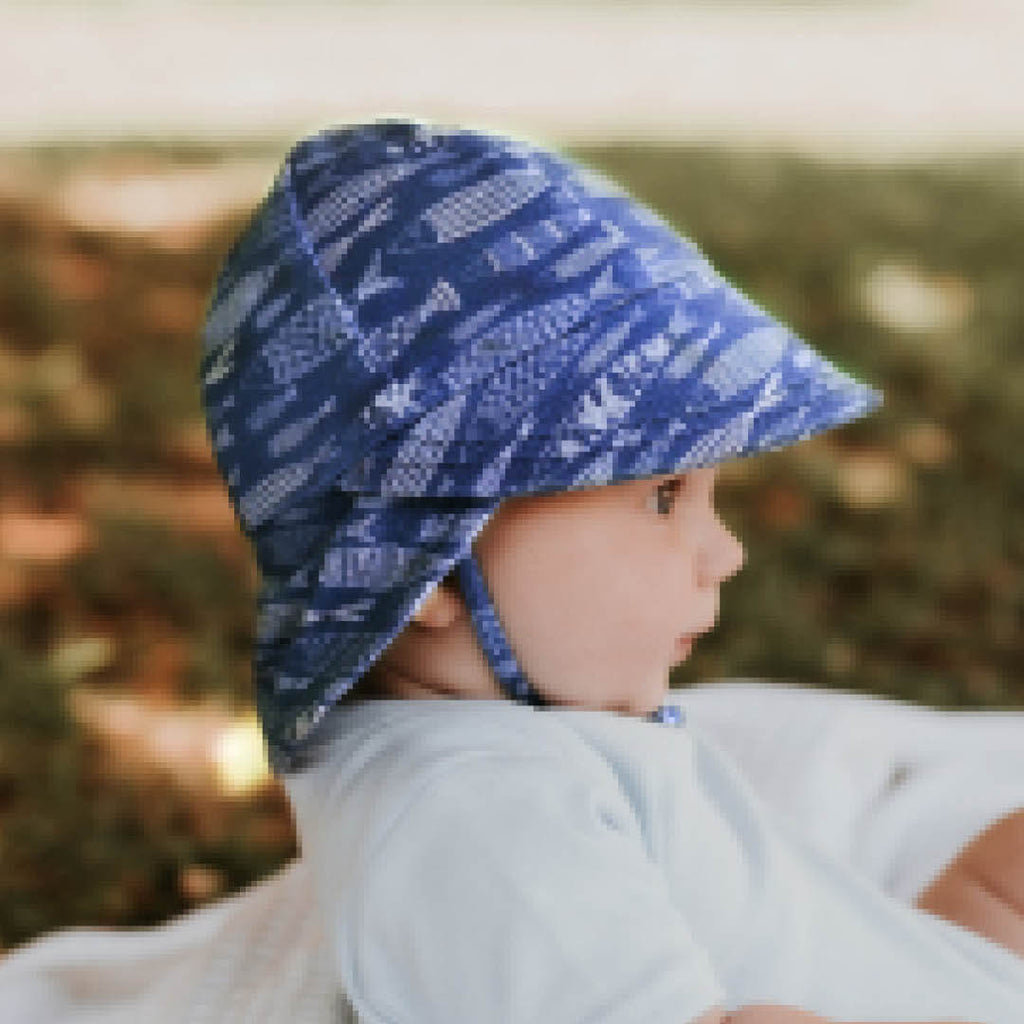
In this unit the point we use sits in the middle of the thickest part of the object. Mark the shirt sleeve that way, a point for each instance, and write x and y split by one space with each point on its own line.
513 889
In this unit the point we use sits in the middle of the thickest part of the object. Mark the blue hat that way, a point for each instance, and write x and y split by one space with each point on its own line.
420 321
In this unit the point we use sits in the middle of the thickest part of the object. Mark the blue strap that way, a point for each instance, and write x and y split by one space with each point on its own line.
492 636
499 653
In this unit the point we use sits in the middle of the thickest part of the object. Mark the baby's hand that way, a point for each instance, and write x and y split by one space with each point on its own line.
774 1014
983 888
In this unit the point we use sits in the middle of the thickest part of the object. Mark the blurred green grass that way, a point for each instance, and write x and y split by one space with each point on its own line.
886 557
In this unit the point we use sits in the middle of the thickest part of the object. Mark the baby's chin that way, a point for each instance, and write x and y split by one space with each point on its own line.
644 701
683 649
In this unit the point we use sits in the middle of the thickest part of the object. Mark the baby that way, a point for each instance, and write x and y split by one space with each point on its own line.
469 398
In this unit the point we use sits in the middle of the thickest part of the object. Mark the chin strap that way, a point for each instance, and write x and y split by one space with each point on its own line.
506 668
492 637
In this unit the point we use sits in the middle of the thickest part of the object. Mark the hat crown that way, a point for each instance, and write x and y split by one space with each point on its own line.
393 266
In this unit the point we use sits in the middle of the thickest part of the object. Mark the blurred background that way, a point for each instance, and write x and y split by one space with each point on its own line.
857 166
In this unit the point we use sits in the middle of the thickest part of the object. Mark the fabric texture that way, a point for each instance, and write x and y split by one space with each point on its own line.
257 957
421 320
486 860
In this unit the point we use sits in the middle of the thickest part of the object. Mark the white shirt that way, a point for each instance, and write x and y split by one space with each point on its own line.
487 861
892 789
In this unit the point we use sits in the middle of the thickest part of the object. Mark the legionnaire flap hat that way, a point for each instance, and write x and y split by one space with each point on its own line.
420 321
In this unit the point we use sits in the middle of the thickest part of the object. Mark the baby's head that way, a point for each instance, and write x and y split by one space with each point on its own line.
601 591
443 354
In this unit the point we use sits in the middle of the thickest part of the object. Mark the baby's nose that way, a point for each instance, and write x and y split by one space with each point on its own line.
724 555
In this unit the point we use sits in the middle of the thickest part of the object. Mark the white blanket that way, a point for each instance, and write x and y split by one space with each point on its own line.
894 789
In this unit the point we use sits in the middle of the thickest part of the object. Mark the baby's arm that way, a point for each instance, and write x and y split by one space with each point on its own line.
983 888
773 1014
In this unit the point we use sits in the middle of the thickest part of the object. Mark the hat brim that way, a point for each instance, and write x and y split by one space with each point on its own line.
755 387
664 383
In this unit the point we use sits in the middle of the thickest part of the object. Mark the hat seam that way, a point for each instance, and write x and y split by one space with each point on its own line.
299 226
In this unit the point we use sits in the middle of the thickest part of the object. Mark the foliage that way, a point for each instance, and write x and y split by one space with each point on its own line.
887 556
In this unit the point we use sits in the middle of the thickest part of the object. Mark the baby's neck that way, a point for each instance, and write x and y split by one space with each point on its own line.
370 686
375 685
